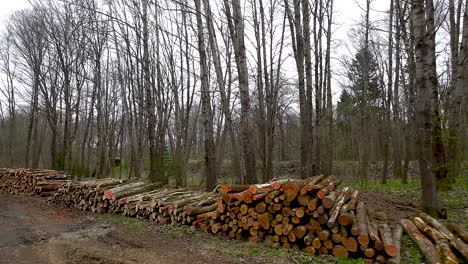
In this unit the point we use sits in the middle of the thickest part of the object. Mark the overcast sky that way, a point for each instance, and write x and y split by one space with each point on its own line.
347 15
347 12
7 6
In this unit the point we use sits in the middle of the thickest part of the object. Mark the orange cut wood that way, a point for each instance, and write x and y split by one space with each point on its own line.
340 251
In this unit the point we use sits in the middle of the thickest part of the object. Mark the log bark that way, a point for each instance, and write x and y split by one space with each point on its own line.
397 232
109 194
231 188
352 203
337 207
362 220
459 230
427 248
455 242
136 190
441 241
189 210
387 239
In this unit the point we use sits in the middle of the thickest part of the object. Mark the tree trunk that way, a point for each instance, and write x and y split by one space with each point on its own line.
310 168
432 83
328 160
207 113
424 111
225 104
236 29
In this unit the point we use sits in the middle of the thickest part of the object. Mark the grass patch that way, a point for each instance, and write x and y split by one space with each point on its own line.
134 224
410 253
254 252
350 261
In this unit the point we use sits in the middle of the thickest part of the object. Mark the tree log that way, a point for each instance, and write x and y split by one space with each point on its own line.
110 194
459 230
429 250
455 242
352 203
397 232
362 220
387 239
441 241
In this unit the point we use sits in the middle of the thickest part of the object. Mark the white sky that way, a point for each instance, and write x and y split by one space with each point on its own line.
347 15
8 6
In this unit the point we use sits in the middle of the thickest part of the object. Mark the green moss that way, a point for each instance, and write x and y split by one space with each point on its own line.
390 186
254 252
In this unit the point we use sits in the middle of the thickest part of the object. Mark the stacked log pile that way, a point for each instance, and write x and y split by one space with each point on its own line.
437 243
32 181
84 195
181 206
137 199
311 214
307 214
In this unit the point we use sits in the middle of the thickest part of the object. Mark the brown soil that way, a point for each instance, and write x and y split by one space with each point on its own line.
33 232
389 207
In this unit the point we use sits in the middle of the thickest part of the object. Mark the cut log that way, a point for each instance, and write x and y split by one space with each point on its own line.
427 248
346 219
256 188
326 190
260 207
380 259
433 222
350 243
336 238
397 232
300 231
374 235
387 239
309 238
362 220
291 190
272 195
259 196
312 204
323 251
441 241
316 179
264 220
304 199
195 210
110 194
351 205
459 230
455 242
329 200
309 250
233 188
316 243
324 235
337 207
369 252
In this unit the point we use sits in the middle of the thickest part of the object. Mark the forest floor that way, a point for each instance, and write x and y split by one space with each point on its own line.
32 231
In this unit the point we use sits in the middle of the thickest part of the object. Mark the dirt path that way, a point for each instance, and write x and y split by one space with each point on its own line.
33 232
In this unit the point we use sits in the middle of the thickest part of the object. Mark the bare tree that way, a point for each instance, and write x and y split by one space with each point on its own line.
207 113
236 30
424 108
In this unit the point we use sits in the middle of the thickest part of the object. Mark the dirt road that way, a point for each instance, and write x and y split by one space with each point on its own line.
31 231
